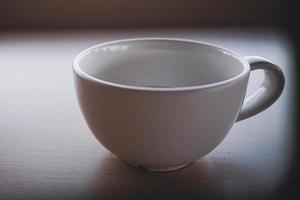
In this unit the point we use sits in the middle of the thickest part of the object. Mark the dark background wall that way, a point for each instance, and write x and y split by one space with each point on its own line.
66 14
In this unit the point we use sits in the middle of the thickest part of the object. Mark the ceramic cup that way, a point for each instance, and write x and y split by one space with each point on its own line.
162 103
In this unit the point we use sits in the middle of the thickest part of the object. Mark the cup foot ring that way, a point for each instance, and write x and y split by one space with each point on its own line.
157 169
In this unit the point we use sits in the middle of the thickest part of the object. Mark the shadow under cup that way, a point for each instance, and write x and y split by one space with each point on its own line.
160 103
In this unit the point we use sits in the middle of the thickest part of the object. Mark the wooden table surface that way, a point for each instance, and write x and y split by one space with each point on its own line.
48 152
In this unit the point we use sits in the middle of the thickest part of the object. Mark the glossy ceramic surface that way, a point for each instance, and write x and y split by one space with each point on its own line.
162 103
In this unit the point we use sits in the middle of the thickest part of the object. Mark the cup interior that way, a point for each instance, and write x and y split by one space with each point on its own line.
159 63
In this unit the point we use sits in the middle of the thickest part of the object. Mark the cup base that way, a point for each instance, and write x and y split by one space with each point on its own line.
157 169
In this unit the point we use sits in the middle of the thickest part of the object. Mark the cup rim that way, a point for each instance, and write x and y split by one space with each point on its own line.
84 75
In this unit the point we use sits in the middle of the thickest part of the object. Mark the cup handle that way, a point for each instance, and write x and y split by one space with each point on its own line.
268 92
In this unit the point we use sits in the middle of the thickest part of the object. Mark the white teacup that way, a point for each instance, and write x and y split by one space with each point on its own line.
162 103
